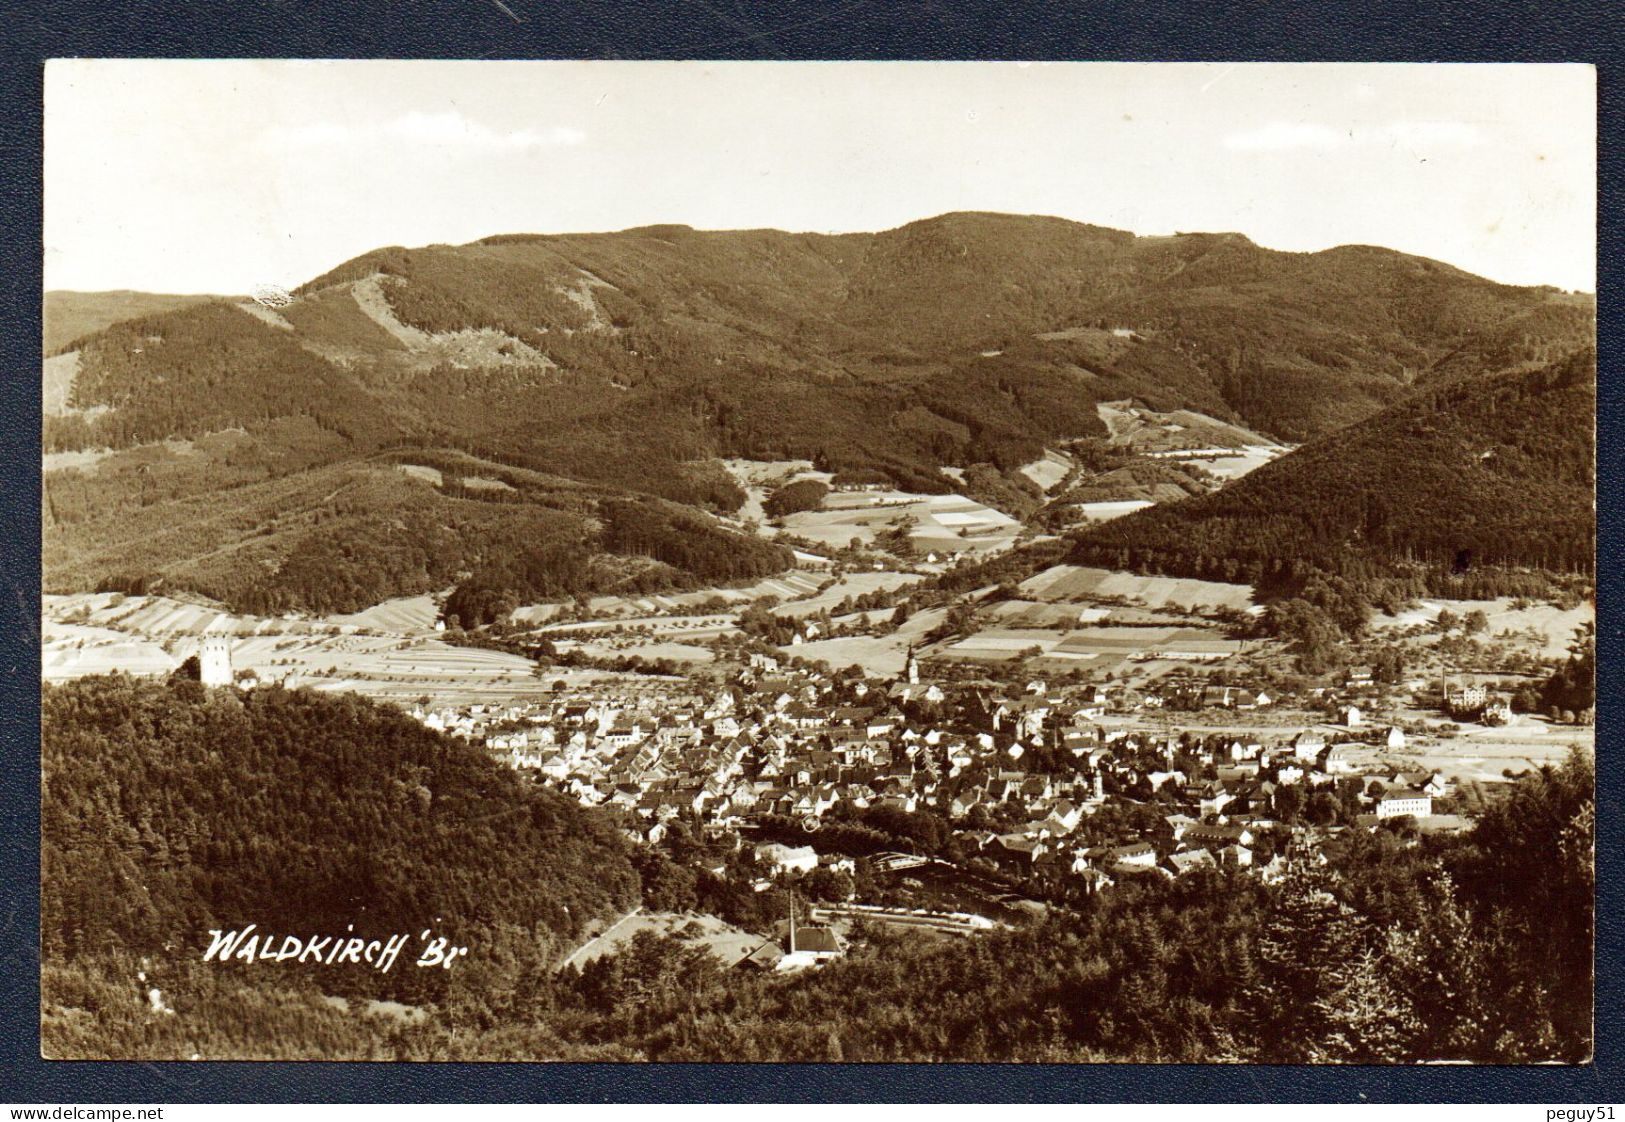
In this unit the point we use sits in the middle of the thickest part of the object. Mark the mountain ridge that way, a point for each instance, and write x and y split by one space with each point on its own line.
632 361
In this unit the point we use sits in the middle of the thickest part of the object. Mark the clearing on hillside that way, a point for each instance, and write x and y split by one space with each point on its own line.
1049 469
1146 430
1218 447
729 944
1553 625
1078 584
945 524
789 586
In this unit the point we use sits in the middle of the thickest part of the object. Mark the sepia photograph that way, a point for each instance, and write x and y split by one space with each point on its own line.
835 562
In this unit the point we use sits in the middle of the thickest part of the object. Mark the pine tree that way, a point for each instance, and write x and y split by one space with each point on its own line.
1308 933
1369 1017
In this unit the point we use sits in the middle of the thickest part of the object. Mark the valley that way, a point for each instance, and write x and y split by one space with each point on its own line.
979 587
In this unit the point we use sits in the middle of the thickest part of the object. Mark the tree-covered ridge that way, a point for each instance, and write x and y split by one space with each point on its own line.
1483 472
865 324
1292 343
630 362
344 537
169 811
204 368
678 547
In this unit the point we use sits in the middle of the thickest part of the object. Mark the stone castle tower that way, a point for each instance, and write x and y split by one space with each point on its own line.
214 661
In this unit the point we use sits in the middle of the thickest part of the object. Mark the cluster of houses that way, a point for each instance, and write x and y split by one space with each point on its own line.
1018 778
1472 702
1214 801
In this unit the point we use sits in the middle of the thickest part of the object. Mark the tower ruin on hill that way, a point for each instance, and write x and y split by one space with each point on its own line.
214 661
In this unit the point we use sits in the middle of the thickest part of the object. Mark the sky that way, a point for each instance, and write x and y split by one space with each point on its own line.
222 176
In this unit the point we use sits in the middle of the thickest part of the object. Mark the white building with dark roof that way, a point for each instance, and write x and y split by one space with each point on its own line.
1399 801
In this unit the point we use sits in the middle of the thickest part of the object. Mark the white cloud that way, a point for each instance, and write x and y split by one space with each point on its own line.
447 130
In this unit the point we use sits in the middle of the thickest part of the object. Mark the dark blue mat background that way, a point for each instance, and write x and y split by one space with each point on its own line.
726 29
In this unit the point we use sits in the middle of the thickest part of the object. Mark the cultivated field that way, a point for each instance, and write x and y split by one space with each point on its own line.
1098 648
879 656
151 635
1076 584
1049 469
848 585
786 587
942 523
1236 464
646 648
996 644
1026 613
1106 511
74 651
408 615
678 636
689 626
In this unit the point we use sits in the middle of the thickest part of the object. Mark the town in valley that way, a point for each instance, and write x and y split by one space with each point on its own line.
829 740
845 562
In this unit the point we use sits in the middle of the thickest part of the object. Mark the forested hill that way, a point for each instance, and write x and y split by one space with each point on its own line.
169 811
727 341
1488 471
1292 344
630 362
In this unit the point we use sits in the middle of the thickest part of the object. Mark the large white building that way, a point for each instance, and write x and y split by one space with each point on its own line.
1308 746
1399 801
